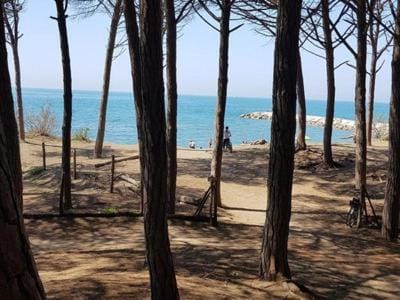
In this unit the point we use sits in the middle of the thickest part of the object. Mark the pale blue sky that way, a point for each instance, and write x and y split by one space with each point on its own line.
251 59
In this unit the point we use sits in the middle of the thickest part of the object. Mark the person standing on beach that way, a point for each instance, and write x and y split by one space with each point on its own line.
227 137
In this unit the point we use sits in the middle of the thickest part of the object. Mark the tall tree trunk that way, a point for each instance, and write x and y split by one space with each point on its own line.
20 109
330 80
360 91
66 127
391 208
98 147
216 163
374 34
19 278
302 113
172 103
159 257
274 261
132 33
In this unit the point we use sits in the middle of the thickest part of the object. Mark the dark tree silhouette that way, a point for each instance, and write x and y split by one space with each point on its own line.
391 209
13 9
66 203
159 257
302 110
274 261
115 19
19 278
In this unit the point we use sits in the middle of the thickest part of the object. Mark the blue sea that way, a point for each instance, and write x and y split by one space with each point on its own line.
195 116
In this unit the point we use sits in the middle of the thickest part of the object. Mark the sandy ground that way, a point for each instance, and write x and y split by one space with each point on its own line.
96 258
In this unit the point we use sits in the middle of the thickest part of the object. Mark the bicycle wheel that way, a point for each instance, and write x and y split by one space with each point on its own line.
351 218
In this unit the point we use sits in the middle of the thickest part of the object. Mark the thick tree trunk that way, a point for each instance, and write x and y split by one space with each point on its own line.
390 216
374 34
330 79
360 91
132 32
274 253
19 278
98 147
216 163
172 94
66 127
159 257
302 113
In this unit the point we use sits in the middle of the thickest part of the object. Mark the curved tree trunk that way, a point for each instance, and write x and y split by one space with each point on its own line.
19 278
274 261
172 103
360 91
302 113
330 77
66 127
216 163
98 147
158 252
132 33
390 216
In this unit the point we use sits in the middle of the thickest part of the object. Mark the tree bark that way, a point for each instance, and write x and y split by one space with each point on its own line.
132 33
13 33
360 91
98 147
19 278
302 113
159 257
66 127
391 208
216 163
330 79
274 261
172 94
374 39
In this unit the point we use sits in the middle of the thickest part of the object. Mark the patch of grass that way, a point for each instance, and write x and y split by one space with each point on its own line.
110 210
34 171
81 135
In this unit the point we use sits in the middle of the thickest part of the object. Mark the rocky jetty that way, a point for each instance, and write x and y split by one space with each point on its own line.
380 129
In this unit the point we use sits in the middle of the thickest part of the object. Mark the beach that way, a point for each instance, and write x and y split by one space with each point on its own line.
104 257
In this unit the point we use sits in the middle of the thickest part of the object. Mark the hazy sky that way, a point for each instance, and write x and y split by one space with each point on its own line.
250 69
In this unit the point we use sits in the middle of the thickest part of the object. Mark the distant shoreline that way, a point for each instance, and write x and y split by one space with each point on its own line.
316 121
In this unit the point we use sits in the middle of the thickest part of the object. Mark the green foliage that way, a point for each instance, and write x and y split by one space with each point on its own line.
34 171
110 210
81 135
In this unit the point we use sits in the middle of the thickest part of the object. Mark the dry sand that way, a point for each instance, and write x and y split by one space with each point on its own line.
96 258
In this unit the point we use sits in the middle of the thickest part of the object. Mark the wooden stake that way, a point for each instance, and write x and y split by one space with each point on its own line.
44 155
112 173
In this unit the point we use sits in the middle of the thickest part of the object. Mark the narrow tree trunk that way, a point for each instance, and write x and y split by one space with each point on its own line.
132 32
360 91
20 109
159 257
66 127
98 147
374 33
172 103
330 79
302 113
274 252
390 216
216 163
19 278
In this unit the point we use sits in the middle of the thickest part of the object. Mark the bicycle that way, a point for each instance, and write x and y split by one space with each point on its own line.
352 215
228 146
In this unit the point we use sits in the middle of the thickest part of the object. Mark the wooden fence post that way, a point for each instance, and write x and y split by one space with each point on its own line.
44 155
112 173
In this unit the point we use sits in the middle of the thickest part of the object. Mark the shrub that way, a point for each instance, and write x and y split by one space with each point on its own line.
110 210
35 171
82 135
43 123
